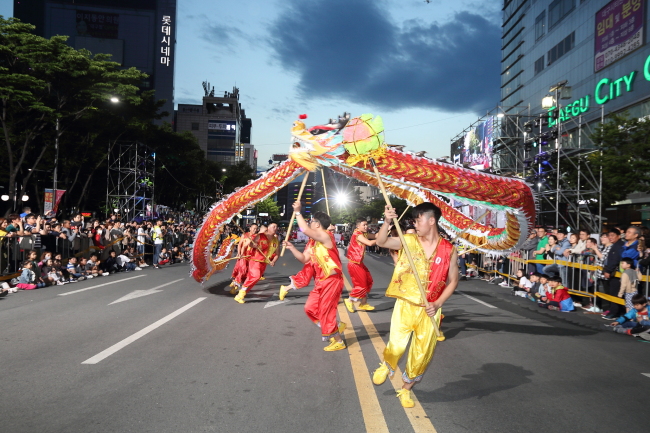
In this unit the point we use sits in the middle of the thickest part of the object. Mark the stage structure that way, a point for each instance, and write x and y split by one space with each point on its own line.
551 156
131 174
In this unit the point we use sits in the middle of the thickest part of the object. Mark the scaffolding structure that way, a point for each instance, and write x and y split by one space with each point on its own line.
130 180
524 146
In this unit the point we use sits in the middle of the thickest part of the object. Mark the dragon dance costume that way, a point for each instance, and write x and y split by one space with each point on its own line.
359 273
409 315
323 300
302 278
241 267
260 257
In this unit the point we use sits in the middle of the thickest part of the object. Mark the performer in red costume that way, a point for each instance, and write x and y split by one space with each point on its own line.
264 248
243 251
359 273
324 298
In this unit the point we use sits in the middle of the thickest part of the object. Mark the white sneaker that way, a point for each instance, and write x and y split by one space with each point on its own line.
138 268
504 284
89 277
60 283
106 274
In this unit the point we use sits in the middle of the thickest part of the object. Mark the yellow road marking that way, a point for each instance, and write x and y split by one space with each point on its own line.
373 416
416 415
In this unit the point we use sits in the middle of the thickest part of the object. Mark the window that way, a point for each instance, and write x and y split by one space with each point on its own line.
558 9
540 25
561 49
539 65
195 126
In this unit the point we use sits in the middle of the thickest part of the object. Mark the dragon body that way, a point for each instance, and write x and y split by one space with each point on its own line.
346 146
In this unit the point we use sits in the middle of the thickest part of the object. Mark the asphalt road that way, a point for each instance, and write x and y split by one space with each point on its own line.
153 351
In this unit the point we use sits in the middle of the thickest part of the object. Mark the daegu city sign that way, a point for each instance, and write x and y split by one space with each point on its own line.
606 90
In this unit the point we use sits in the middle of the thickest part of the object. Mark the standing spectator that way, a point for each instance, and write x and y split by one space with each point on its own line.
542 240
528 248
631 247
557 253
628 283
609 271
581 243
157 235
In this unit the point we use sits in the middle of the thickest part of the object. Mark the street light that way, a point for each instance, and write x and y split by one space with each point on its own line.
548 102
4 197
25 197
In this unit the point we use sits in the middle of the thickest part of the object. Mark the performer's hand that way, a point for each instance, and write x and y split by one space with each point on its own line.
296 206
431 309
389 214
288 245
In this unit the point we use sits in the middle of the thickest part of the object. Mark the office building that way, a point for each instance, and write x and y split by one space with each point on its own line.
221 127
140 34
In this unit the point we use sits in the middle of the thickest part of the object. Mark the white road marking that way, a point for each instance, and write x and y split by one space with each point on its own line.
274 303
646 374
477 300
140 293
122 344
100 285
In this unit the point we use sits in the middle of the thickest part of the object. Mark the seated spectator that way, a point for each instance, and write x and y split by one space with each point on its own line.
74 271
110 264
93 266
83 262
634 321
49 270
532 291
27 279
177 255
557 297
163 257
127 262
629 282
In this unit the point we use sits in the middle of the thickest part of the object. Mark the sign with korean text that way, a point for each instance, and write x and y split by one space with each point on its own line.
222 128
97 24
166 43
619 31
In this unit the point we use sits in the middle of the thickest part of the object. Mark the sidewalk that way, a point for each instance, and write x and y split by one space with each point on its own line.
578 317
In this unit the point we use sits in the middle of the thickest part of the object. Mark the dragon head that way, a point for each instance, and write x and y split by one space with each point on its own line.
318 145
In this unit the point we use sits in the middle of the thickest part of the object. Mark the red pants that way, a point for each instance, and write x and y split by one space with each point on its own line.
322 303
255 272
241 268
361 280
302 278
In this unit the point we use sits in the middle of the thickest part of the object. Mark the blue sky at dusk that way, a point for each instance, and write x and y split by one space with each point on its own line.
429 69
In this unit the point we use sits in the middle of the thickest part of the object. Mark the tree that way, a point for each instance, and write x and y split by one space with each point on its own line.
45 83
271 207
625 145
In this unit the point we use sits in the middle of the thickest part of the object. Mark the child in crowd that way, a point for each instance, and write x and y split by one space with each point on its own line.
27 280
532 292
48 270
92 266
163 257
110 265
74 270
83 262
628 283
60 276
636 320
557 297
177 255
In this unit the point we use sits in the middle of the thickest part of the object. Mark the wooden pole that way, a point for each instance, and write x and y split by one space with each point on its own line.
403 213
327 202
436 330
293 215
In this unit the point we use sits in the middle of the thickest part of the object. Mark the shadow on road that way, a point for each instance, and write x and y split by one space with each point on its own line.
491 378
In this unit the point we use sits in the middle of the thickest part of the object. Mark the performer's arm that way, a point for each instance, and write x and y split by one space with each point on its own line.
383 240
318 235
452 283
362 239
303 257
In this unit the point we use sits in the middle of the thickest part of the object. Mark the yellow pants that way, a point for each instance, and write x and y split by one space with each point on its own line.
411 319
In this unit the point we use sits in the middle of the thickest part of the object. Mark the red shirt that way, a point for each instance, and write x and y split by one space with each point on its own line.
356 250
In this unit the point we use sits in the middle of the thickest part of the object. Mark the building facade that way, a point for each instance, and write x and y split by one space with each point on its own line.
138 34
597 48
221 127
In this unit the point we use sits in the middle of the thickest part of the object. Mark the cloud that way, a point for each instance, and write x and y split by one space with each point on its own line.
352 51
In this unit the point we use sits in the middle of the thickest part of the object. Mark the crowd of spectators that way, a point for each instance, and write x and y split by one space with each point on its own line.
36 251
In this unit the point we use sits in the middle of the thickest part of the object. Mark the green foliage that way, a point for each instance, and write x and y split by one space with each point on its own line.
271 207
625 146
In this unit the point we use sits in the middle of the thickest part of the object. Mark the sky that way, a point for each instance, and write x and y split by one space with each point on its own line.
429 69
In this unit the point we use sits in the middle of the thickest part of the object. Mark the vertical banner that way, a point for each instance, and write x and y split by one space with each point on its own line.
59 194
51 202
49 199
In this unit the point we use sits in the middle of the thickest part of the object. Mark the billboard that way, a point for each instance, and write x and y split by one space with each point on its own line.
102 25
475 148
619 31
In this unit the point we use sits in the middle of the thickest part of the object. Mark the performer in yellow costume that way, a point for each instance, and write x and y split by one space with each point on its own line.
436 262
